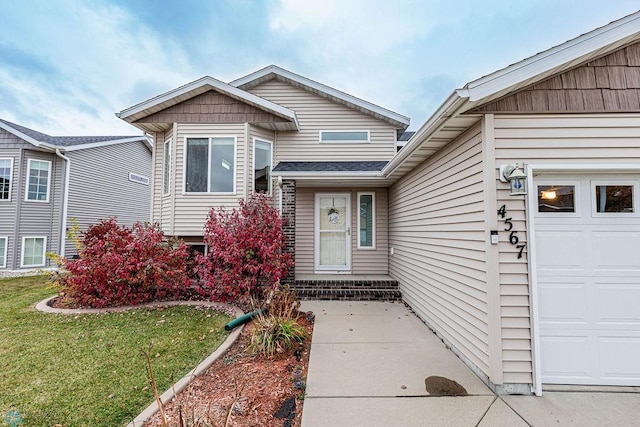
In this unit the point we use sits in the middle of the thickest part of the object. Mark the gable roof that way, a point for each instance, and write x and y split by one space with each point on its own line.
448 122
198 87
67 143
274 72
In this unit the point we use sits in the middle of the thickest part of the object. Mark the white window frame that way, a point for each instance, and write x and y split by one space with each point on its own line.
253 181
137 178
26 189
3 260
577 194
235 165
613 182
344 141
166 167
10 177
44 251
373 219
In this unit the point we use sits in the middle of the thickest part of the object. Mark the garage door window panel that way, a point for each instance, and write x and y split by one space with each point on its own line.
558 199
614 198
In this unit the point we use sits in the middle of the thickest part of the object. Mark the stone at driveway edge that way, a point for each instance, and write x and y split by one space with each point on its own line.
151 410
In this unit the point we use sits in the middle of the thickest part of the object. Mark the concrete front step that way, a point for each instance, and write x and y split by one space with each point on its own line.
348 290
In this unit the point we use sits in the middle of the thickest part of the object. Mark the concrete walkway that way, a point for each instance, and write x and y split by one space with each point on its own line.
368 365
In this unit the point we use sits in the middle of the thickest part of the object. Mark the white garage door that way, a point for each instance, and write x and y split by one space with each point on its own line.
587 231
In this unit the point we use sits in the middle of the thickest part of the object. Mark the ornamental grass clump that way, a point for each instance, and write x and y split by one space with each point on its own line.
277 331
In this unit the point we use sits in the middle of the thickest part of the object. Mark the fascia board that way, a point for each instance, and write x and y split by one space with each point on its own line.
321 88
105 143
569 51
215 84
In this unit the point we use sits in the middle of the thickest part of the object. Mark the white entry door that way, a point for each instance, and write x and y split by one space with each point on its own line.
587 231
333 233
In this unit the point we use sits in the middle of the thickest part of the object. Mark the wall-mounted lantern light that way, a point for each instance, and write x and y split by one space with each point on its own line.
516 177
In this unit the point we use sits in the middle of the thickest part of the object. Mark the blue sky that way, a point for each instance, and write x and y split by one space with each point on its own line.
67 66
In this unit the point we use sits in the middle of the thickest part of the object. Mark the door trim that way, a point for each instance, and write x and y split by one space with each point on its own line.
531 203
346 269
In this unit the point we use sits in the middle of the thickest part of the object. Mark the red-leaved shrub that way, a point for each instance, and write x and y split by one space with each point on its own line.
246 251
118 265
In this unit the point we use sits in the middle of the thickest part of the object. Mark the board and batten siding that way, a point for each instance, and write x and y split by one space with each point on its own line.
190 210
41 218
316 113
437 233
547 139
363 261
99 186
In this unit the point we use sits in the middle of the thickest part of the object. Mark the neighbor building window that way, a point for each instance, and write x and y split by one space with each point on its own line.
6 170
39 174
211 165
33 249
166 168
3 252
366 221
344 136
262 166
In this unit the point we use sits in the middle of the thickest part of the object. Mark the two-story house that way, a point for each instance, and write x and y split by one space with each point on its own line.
529 273
316 150
49 182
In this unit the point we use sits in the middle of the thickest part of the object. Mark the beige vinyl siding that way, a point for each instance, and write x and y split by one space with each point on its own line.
39 219
363 261
156 165
547 139
437 232
316 113
190 210
100 188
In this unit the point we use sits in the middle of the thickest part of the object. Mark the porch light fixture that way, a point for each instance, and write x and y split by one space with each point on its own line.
516 177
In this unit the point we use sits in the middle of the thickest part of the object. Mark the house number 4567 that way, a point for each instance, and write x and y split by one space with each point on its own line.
513 234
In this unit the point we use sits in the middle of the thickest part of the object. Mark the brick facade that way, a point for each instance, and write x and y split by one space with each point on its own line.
289 214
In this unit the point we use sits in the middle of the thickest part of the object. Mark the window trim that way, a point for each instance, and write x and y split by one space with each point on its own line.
235 166
613 182
44 251
10 177
26 189
166 167
253 166
343 141
3 260
373 219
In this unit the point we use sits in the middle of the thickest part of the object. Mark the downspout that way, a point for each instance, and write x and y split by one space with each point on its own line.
65 201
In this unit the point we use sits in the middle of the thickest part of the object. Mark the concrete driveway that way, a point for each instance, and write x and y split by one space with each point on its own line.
369 362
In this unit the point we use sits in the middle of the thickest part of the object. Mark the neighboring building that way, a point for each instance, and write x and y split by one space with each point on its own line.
48 181
527 290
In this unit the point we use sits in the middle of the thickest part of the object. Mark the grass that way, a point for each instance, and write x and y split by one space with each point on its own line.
89 370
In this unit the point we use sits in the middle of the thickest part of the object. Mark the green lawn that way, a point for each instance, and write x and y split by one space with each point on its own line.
89 370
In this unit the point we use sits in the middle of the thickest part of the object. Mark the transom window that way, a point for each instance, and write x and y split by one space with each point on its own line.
366 221
39 173
262 166
166 168
6 170
33 249
211 165
344 136
3 252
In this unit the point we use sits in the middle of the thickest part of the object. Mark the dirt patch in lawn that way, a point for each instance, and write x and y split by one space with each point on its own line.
241 390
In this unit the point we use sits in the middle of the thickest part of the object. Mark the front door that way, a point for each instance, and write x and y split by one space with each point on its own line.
333 233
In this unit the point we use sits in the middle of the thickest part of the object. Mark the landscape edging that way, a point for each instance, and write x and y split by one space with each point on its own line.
168 395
